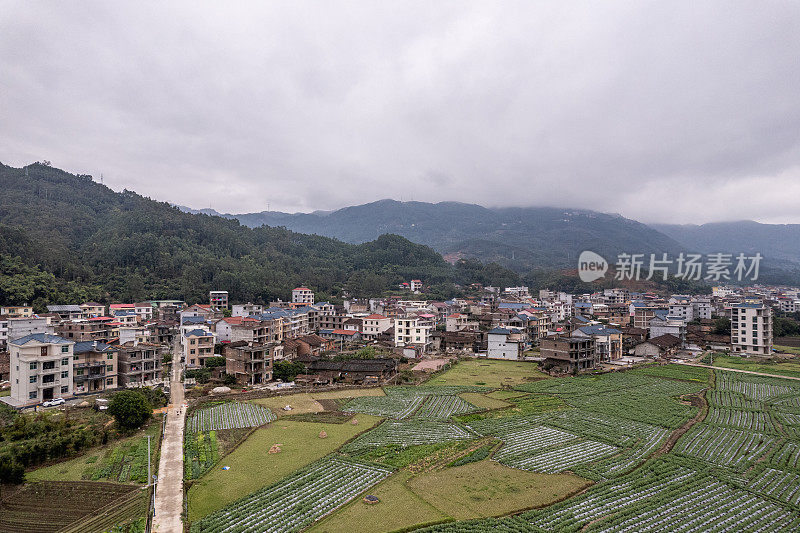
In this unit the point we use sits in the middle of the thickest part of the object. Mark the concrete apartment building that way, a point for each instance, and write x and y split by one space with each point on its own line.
413 332
198 345
95 366
569 353
607 341
302 295
248 309
23 326
66 312
88 329
17 311
250 363
139 364
751 329
504 343
373 325
92 309
218 299
40 369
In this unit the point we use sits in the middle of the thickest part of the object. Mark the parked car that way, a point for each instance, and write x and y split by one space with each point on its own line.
54 402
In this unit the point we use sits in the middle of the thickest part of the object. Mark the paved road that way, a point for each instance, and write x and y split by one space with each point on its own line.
169 492
739 370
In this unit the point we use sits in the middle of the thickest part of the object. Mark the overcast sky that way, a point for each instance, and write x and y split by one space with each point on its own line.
661 111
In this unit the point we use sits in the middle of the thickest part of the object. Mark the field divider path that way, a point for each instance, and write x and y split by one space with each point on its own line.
169 491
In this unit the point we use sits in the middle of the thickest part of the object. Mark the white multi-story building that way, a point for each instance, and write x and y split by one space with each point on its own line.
682 310
415 285
751 329
144 310
413 332
302 295
373 325
504 344
519 292
789 305
218 299
248 309
41 368
702 308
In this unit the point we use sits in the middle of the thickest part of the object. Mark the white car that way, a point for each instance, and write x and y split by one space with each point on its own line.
54 402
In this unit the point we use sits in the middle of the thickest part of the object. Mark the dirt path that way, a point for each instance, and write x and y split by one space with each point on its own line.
169 491
697 400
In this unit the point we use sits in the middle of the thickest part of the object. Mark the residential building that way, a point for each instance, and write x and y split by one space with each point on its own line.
662 346
17 311
66 312
248 309
751 329
95 366
198 345
302 295
663 324
40 369
89 329
373 325
607 341
341 335
460 322
504 343
415 286
570 354
218 299
250 363
139 364
143 310
92 309
413 332
24 326
702 308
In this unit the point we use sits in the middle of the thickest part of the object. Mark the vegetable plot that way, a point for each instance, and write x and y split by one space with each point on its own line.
409 433
562 459
230 415
443 407
723 446
296 501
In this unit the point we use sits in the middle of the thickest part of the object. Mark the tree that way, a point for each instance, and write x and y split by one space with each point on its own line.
130 408
286 370
11 471
213 362
202 375
722 326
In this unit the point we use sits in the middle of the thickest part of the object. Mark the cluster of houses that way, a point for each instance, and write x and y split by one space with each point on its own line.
92 347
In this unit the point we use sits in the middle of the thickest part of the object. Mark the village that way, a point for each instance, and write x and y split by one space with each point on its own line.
74 350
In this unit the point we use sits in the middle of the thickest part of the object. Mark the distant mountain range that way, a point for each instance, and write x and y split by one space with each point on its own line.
533 237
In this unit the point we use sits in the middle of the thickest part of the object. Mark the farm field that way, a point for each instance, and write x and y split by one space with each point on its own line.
788 368
486 488
489 373
123 461
399 508
296 501
230 415
612 441
252 467
53 505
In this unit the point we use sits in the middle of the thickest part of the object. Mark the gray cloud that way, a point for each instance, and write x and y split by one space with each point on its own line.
661 111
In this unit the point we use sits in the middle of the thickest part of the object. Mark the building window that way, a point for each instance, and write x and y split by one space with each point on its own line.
33 379
74 357
32 395
109 381
110 356
110 368
65 374
65 361
79 372
64 389
34 366
65 349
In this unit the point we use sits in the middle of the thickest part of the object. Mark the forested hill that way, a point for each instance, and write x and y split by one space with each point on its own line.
65 238
518 238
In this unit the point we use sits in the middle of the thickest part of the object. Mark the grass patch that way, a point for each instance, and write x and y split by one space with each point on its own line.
325 417
487 488
300 403
6 392
781 368
399 509
782 349
489 373
347 393
526 404
401 456
252 467
484 401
